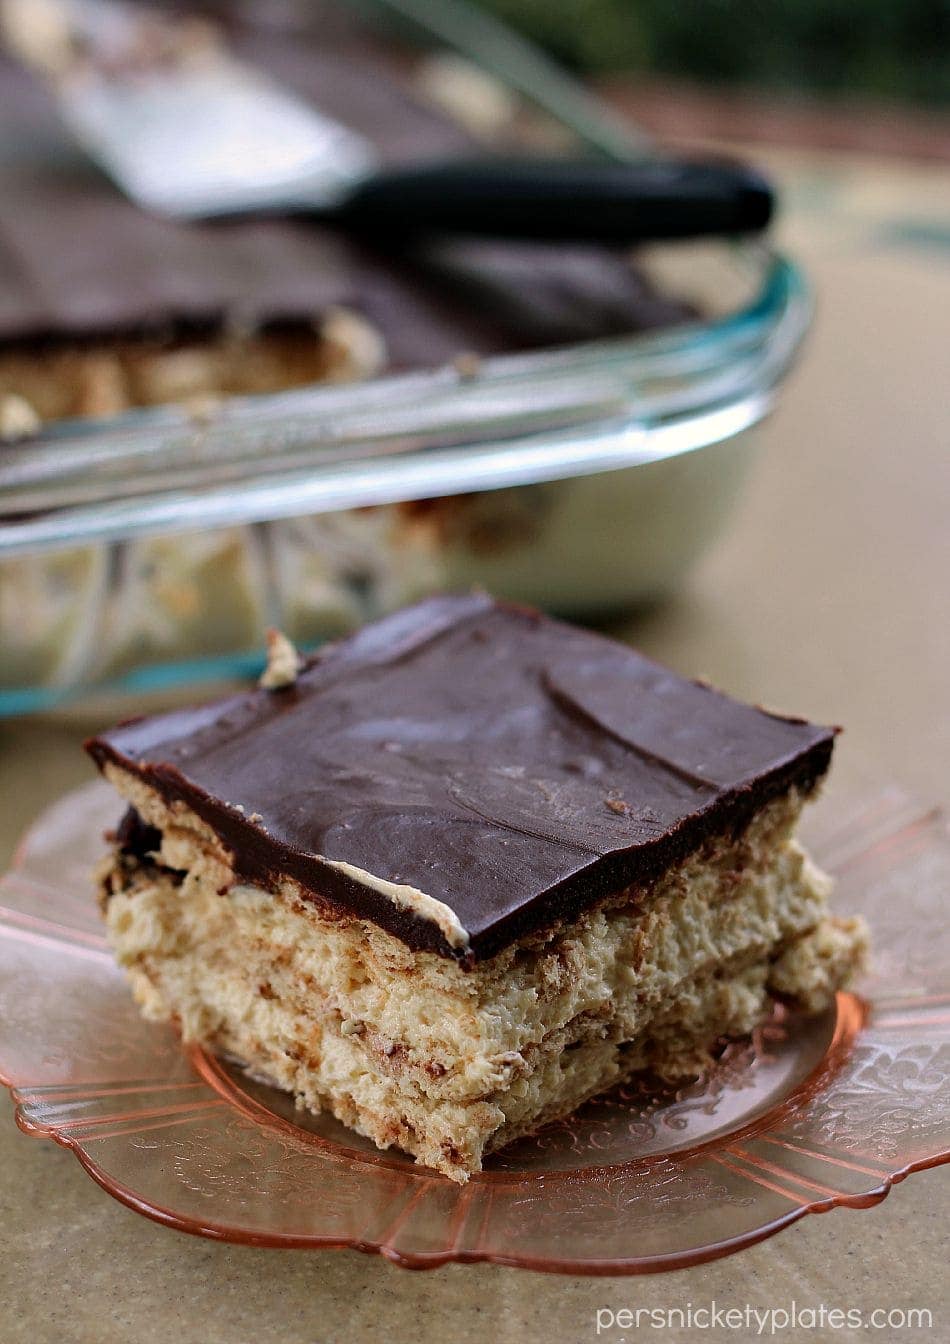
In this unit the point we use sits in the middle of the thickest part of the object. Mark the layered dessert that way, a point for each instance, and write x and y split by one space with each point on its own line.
464 870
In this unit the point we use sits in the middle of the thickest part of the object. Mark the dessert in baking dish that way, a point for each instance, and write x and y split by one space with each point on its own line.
104 309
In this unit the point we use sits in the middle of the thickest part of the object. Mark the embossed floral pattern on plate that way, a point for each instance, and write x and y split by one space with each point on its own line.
807 1116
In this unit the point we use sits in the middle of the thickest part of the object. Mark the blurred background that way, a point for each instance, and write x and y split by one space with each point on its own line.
880 49
874 76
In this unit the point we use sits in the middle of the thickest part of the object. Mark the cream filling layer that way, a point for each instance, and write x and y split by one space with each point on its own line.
408 898
177 852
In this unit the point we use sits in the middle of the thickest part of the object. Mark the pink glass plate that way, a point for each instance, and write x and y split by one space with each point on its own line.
806 1117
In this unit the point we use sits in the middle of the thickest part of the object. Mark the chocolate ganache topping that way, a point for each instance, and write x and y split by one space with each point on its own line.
465 772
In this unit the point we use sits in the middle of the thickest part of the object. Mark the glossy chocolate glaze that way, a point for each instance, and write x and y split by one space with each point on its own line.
511 767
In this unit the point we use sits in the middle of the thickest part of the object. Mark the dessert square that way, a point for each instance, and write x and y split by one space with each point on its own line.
466 869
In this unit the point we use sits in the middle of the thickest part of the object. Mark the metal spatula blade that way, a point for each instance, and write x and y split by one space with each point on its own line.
214 139
182 126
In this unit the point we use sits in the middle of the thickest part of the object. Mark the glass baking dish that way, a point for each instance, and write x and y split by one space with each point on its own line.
152 549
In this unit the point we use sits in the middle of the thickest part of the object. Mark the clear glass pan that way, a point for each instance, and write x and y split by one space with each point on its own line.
149 550
519 420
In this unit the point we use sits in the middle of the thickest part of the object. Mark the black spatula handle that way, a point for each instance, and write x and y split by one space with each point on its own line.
568 200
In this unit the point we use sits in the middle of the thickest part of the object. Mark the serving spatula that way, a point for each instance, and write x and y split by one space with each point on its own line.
187 130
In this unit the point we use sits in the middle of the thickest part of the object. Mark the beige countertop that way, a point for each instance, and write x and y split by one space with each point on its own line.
828 597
